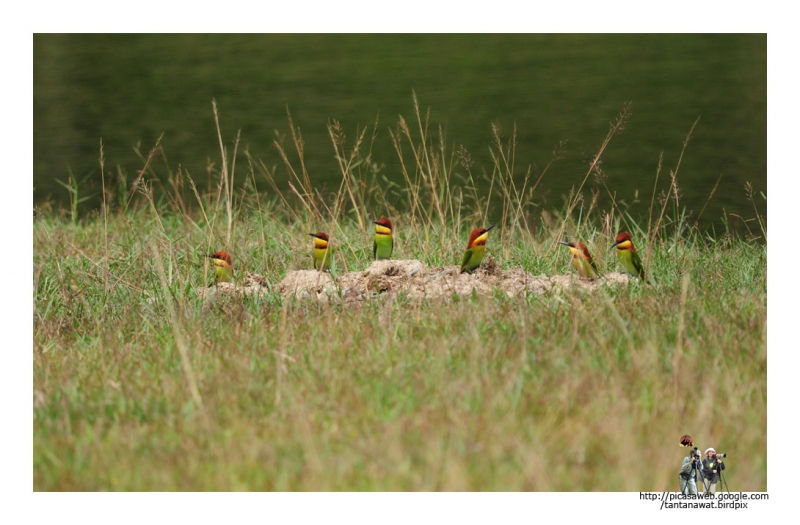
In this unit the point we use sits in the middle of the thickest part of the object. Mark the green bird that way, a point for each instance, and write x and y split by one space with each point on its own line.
223 266
475 248
582 259
322 252
382 247
627 255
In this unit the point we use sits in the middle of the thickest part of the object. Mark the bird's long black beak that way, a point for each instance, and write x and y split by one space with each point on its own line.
565 243
490 227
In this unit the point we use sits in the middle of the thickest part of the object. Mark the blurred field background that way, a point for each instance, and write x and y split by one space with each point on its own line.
554 91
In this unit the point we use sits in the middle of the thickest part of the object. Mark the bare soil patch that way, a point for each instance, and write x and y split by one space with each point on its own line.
414 280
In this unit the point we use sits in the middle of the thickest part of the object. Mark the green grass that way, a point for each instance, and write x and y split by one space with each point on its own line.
141 384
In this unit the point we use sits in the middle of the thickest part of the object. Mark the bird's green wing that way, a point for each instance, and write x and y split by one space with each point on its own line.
467 257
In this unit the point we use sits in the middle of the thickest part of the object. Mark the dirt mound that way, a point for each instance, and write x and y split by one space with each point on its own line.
413 279
572 281
253 284
307 283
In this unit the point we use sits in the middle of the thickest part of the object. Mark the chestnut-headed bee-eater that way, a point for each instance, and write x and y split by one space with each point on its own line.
582 260
627 255
322 252
223 266
475 248
382 247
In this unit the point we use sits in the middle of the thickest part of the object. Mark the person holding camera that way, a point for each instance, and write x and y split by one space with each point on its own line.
712 468
690 470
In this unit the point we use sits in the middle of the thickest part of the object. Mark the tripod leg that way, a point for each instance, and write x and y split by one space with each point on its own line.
688 487
706 487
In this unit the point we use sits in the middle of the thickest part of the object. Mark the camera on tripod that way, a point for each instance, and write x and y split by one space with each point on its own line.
695 455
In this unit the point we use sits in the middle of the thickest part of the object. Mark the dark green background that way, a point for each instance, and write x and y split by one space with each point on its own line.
128 89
